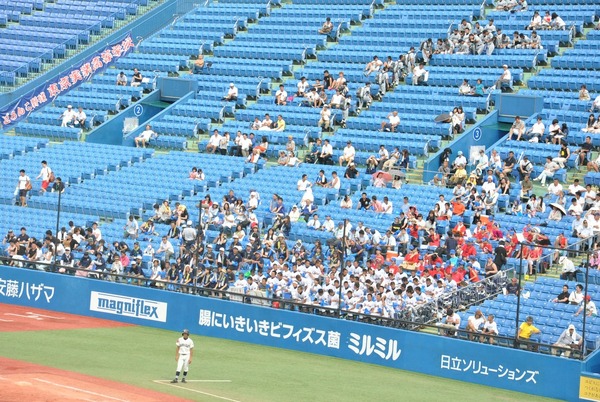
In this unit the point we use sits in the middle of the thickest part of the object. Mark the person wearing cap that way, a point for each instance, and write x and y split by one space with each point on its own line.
590 307
363 97
325 120
505 78
183 355
145 137
68 117
568 341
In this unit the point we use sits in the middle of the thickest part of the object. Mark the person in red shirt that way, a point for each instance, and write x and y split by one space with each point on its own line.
486 247
412 257
467 250
460 229
561 244
458 207
533 259
473 275
433 238
459 275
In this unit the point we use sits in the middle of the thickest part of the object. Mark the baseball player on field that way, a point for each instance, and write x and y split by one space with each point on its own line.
183 355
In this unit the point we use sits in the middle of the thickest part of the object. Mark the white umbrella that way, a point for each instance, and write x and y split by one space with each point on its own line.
559 207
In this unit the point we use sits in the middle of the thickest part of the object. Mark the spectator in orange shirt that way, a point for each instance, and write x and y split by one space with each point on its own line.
458 207
460 229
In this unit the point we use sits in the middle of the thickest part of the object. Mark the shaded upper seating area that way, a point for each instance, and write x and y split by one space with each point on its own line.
67 25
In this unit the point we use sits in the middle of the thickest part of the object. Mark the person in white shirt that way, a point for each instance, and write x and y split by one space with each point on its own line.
213 142
324 121
68 117
122 79
328 225
166 247
517 128
474 323
326 153
576 188
489 185
555 187
505 78
45 175
24 185
420 75
281 96
335 182
460 159
232 93
482 161
80 118
314 222
387 205
595 104
392 123
302 86
336 100
183 355
245 144
303 183
144 137
348 154
373 65
490 328
294 214
536 131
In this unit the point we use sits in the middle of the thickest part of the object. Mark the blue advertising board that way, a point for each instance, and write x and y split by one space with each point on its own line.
478 363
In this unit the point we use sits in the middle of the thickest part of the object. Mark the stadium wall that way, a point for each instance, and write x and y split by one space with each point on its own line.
142 27
511 369
484 133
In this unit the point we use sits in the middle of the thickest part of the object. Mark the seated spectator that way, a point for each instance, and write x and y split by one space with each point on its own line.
526 330
281 96
373 65
457 120
535 22
302 87
474 324
465 88
557 22
392 123
550 168
327 27
145 137
590 307
347 154
279 124
122 79
68 117
339 82
576 296
504 79
80 118
199 64
517 128
595 104
326 154
536 131
592 125
137 78
196 174
232 93
490 328
266 124
568 341
420 75
363 97
513 287
325 119
563 296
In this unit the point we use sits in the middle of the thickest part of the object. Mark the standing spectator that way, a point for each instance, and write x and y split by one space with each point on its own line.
68 117
122 79
232 93
45 175
24 185
137 78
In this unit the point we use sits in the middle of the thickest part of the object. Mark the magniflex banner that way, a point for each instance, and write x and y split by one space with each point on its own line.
71 78
506 368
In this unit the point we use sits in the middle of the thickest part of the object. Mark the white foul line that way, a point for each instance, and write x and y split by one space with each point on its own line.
165 381
45 316
194 390
6 320
80 390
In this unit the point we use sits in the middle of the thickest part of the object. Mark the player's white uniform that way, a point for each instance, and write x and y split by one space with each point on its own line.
185 346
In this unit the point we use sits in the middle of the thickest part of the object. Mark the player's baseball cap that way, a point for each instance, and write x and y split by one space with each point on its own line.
185 331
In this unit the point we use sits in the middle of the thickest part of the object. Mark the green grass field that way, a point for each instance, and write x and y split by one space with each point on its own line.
139 355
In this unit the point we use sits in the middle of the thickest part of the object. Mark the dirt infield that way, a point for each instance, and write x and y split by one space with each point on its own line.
21 381
17 318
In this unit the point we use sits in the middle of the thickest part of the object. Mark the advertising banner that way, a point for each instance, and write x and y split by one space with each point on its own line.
69 79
